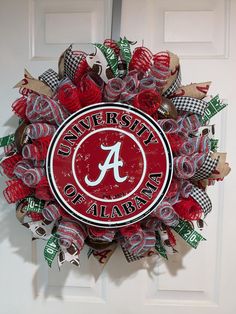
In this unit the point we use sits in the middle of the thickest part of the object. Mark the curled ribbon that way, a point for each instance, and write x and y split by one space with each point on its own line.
38 150
71 232
52 211
44 109
9 164
184 167
113 89
38 130
68 96
165 213
99 234
32 177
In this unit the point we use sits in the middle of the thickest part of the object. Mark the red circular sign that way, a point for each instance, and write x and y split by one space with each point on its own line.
109 165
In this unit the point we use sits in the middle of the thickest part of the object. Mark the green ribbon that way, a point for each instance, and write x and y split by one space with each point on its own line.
213 107
110 57
6 140
186 232
34 204
214 144
159 247
51 249
125 50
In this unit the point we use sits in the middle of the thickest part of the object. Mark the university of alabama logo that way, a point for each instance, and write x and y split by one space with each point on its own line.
109 165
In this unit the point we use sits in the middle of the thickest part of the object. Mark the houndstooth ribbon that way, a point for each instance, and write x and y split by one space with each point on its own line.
50 77
190 104
130 257
202 198
174 86
71 62
206 169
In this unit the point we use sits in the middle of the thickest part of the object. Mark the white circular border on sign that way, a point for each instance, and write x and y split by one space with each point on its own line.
124 222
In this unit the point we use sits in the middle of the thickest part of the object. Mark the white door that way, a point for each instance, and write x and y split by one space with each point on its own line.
203 281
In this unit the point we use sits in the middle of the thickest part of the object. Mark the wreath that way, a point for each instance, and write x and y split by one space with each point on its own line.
131 81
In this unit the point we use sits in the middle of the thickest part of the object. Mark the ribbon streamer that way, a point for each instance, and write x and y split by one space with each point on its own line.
191 236
51 249
213 107
141 60
6 140
33 204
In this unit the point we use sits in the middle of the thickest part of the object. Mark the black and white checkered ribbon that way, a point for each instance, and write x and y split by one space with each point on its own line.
206 169
190 104
130 257
202 199
50 77
174 86
71 62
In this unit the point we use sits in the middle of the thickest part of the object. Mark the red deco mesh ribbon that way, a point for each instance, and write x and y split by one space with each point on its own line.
68 96
113 45
9 164
100 234
173 189
141 60
82 68
15 191
19 107
37 150
148 101
175 140
43 191
35 216
188 209
89 92
160 69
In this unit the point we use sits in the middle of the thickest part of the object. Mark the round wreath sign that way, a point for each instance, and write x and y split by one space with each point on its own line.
112 150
